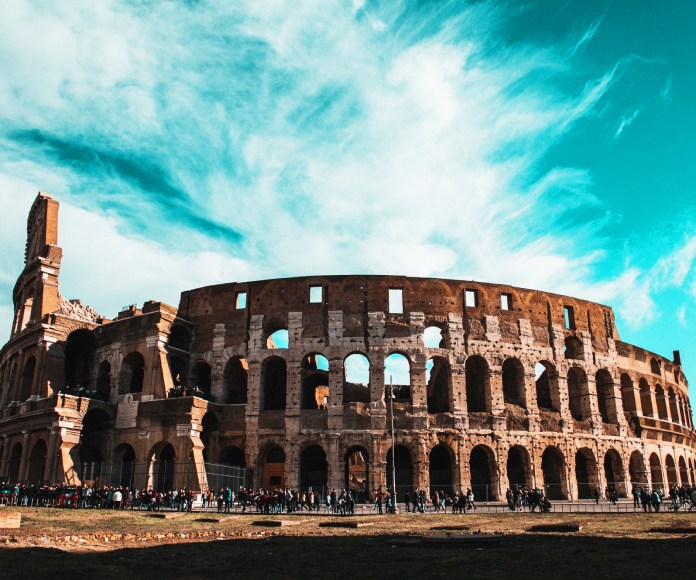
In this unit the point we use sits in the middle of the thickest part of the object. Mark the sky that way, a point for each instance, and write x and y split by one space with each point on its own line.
543 144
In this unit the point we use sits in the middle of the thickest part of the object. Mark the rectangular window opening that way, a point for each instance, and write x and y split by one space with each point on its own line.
241 301
396 302
569 316
470 299
506 301
316 294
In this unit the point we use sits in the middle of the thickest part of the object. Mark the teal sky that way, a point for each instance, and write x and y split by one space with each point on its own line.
544 144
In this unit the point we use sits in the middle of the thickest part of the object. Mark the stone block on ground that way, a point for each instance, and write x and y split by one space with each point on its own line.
10 520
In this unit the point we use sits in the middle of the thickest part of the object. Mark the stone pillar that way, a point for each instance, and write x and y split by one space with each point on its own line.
49 470
494 396
24 463
39 372
5 455
530 400
293 388
378 409
335 418
217 386
335 475
419 395
564 402
458 402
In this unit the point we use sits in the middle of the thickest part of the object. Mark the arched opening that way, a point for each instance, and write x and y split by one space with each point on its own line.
200 380
404 471
656 471
671 469
673 409
605 396
433 337
79 355
546 381
179 338
636 469
476 370
483 473
210 430
553 468
661 403
518 467
578 396
93 439
27 379
274 383
645 398
586 473
236 376
163 468
440 470
683 472
278 339
397 377
357 475
315 382
233 456
437 376
104 381
574 349
14 463
614 473
124 466
628 395
37 463
273 471
513 382
655 366
356 379
313 469
132 374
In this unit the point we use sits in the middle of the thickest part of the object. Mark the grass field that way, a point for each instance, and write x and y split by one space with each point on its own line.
106 544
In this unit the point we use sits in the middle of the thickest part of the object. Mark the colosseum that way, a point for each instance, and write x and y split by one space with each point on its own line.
297 382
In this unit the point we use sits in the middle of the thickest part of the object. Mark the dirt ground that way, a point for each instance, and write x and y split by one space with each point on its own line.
64 543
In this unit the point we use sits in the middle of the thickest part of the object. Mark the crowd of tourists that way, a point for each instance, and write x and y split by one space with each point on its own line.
521 498
683 498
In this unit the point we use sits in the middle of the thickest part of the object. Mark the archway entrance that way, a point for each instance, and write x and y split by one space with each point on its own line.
163 468
586 473
357 474
273 472
313 470
404 471
37 463
440 470
671 471
482 468
14 463
614 472
553 468
124 466
518 472
636 469
95 426
656 471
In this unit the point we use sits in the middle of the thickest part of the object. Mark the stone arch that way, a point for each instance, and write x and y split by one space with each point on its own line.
27 379
574 348
578 394
132 374
273 467
477 384
484 473
614 474
162 466
37 463
440 466
606 398
513 382
273 383
104 380
315 381
546 381
636 469
14 463
404 470
356 378
673 407
235 379
671 469
661 401
357 472
439 379
200 380
435 336
397 376
553 468
656 471
210 430
628 395
178 367
645 398
683 472
313 469
124 463
518 467
96 425
80 347
586 475
278 339
179 338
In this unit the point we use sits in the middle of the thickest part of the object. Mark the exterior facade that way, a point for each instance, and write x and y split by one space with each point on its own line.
299 380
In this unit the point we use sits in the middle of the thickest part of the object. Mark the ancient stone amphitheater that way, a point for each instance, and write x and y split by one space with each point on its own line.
296 382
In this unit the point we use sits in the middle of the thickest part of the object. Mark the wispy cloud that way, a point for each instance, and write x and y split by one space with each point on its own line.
586 37
626 122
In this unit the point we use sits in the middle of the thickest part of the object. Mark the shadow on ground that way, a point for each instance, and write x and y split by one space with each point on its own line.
515 556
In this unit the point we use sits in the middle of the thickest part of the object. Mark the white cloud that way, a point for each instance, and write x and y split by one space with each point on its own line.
626 122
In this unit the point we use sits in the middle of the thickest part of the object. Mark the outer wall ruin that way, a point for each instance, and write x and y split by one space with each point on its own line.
517 387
